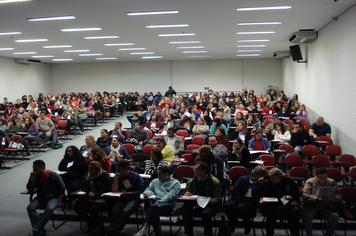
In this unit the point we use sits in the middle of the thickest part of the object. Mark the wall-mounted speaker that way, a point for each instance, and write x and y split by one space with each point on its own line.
295 52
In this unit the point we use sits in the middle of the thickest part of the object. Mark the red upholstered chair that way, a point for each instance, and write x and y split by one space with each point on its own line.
192 147
320 161
293 160
309 151
349 197
346 161
199 140
305 123
130 148
190 158
267 159
333 151
286 147
335 174
299 172
147 149
326 139
184 171
149 134
182 132
236 172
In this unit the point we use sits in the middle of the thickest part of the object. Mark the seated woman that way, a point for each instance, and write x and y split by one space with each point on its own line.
240 153
75 166
98 154
30 127
216 124
90 144
156 160
302 113
240 132
95 184
221 137
200 128
281 134
167 151
116 152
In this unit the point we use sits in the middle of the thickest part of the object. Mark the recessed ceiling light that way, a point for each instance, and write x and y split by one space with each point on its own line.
263 8
102 37
6 49
10 33
90 54
250 50
58 46
253 40
190 47
43 56
257 32
248 55
141 53
106 58
79 50
24 53
259 23
143 13
195 51
80 29
251 46
51 18
166 26
11 1
184 42
176 35
152 57
200 56
131 49
62 59
30 40
118 44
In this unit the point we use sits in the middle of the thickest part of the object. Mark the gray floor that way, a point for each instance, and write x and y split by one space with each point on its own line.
13 216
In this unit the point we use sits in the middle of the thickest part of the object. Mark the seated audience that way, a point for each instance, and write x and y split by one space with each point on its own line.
98 154
46 127
220 153
30 127
116 152
138 136
174 142
281 134
320 128
90 144
216 124
301 113
221 137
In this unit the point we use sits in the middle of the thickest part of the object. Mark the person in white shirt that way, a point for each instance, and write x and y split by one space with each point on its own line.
281 134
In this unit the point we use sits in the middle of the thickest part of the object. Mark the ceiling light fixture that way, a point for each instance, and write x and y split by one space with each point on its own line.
259 23
102 37
24 53
177 35
43 56
90 54
12 1
253 40
248 55
118 44
250 50
51 18
184 42
62 59
106 58
256 32
252 46
141 53
263 8
79 50
195 51
58 46
131 49
152 57
200 56
30 40
190 47
6 49
9 33
166 26
80 29
144 13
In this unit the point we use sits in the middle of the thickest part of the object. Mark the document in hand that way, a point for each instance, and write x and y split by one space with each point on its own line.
149 197
111 194
269 200
327 192
203 201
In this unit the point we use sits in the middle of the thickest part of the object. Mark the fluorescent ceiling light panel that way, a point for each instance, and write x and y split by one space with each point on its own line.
58 46
24 53
259 23
12 1
141 53
250 50
248 55
43 56
106 58
184 42
253 40
51 18
6 49
256 32
131 49
62 59
152 57
190 47
118 44
80 29
166 26
176 35
78 50
263 8
200 56
251 46
10 33
90 54
30 40
102 37
195 51
145 13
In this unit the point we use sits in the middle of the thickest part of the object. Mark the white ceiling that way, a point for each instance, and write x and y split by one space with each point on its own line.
213 21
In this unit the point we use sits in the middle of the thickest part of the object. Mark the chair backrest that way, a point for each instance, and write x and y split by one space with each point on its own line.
352 173
268 160
286 147
62 124
310 150
348 194
320 161
16 138
199 140
190 158
293 160
182 132
305 123
347 160
107 164
236 172
334 174
147 149
184 171
192 147
325 139
149 133
300 172
290 123
129 147
333 150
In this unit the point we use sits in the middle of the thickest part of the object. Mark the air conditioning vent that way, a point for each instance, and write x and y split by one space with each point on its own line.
303 36
27 61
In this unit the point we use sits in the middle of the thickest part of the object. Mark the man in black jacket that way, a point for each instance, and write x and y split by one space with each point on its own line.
299 138
49 188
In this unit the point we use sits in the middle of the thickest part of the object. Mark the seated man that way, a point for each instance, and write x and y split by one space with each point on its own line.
244 203
220 154
320 128
116 151
117 132
166 190
49 188
90 144
95 184
258 143
324 206
174 141
167 151
46 127
104 140
130 185
138 136
299 138
203 184
286 193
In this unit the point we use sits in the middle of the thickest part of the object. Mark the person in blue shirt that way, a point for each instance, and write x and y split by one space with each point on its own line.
259 142
130 185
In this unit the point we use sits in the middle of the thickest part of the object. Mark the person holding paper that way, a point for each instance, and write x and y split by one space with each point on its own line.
206 185
315 203
130 185
116 152
243 203
95 183
117 132
90 144
166 189
76 167
279 199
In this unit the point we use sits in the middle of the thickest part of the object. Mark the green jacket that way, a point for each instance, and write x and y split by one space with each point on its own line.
211 187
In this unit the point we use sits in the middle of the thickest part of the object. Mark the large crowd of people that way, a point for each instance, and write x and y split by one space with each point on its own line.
210 132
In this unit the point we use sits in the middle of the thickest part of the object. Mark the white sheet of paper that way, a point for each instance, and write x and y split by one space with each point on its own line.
269 199
284 200
112 175
183 186
70 164
258 151
203 201
61 172
85 153
80 193
145 176
248 193
149 197
111 194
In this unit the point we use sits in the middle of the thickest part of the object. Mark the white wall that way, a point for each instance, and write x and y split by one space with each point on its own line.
184 76
327 83
17 80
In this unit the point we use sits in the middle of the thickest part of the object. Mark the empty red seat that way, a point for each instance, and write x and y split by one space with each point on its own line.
310 150
320 161
147 149
129 147
267 159
286 147
192 147
236 172
184 171
182 132
333 150
293 160
199 140
335 174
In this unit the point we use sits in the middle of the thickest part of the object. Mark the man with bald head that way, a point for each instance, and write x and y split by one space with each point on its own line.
320 128
220 153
